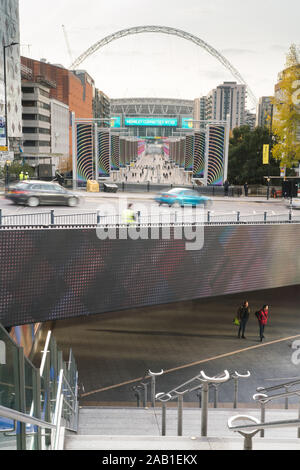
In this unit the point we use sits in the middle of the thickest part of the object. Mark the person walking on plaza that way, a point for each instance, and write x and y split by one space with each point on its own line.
263 317
226 188
243 317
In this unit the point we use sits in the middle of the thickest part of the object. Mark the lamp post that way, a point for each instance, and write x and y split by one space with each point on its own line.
7 164
5 89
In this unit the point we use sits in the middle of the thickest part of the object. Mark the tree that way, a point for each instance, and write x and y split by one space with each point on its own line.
286 122
246 156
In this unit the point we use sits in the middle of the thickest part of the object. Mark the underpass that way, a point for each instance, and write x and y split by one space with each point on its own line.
115 351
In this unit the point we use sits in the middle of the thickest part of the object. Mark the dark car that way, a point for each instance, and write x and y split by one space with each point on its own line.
35 193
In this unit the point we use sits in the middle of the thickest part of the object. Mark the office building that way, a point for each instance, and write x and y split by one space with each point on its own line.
227 99
264 111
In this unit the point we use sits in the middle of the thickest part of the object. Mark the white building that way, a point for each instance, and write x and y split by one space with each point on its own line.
227 99
10 33
60 122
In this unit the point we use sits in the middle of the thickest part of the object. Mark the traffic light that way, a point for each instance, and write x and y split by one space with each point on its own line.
289 189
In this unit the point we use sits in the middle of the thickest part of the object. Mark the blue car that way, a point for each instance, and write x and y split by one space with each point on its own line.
182 197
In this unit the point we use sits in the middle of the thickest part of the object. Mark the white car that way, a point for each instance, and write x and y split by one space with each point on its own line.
295 203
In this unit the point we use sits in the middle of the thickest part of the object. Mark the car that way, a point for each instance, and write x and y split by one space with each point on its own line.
35 193
295 204
180 197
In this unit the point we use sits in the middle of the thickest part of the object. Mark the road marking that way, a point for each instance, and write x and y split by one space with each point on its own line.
192 364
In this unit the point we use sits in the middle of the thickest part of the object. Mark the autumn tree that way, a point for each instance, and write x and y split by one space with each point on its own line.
286 119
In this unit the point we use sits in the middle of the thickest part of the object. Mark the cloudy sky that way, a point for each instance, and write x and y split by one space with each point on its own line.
254 36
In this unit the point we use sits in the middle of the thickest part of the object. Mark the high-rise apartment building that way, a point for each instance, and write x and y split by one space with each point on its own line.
264 111
250 120
227 99
101 106
199 111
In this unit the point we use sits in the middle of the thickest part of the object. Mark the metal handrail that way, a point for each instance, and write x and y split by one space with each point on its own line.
248 431
263 399
24 418
278 387
270 425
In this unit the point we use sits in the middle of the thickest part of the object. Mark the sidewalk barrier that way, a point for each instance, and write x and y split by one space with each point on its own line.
172 218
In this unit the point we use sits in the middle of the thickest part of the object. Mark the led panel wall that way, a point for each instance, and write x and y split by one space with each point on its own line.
85 151
57 274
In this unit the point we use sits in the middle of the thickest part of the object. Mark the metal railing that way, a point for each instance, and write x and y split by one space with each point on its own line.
36 404
201 384
248 431
179 217
263 399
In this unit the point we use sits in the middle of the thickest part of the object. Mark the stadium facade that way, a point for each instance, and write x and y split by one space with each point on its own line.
152 117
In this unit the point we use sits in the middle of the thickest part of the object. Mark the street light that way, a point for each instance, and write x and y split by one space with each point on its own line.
5 89
7 165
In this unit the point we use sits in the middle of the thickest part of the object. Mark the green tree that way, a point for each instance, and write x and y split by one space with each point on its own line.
246 156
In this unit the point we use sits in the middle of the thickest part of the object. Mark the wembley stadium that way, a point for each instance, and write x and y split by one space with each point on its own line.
151 117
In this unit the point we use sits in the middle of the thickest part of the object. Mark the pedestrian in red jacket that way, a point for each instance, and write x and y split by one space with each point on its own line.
263 316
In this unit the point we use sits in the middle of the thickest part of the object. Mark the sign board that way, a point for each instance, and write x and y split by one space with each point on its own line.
115 122
2 353
283 172
187 123
266 155
2 133
152 122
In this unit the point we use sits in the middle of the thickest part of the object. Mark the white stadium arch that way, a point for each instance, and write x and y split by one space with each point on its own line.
166 30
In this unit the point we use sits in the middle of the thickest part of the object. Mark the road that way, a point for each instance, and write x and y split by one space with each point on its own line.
113 205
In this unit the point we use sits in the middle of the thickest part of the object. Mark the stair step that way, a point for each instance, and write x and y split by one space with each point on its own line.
131 443
140 422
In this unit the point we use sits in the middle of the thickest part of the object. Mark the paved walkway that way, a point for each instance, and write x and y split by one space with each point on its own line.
115 350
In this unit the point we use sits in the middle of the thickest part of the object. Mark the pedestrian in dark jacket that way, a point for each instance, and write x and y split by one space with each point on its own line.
243 316
263 317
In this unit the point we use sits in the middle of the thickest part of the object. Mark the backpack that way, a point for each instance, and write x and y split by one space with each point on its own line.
257 314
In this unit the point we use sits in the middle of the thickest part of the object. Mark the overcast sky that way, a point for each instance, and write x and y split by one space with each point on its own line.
254 36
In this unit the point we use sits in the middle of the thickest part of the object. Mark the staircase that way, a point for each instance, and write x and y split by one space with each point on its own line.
140 429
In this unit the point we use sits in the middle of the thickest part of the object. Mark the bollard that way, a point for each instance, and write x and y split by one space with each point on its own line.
145 400
199 395
180 415
286 403
236 392
262 398
216 396
204 399
153 385
262 417
164 420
